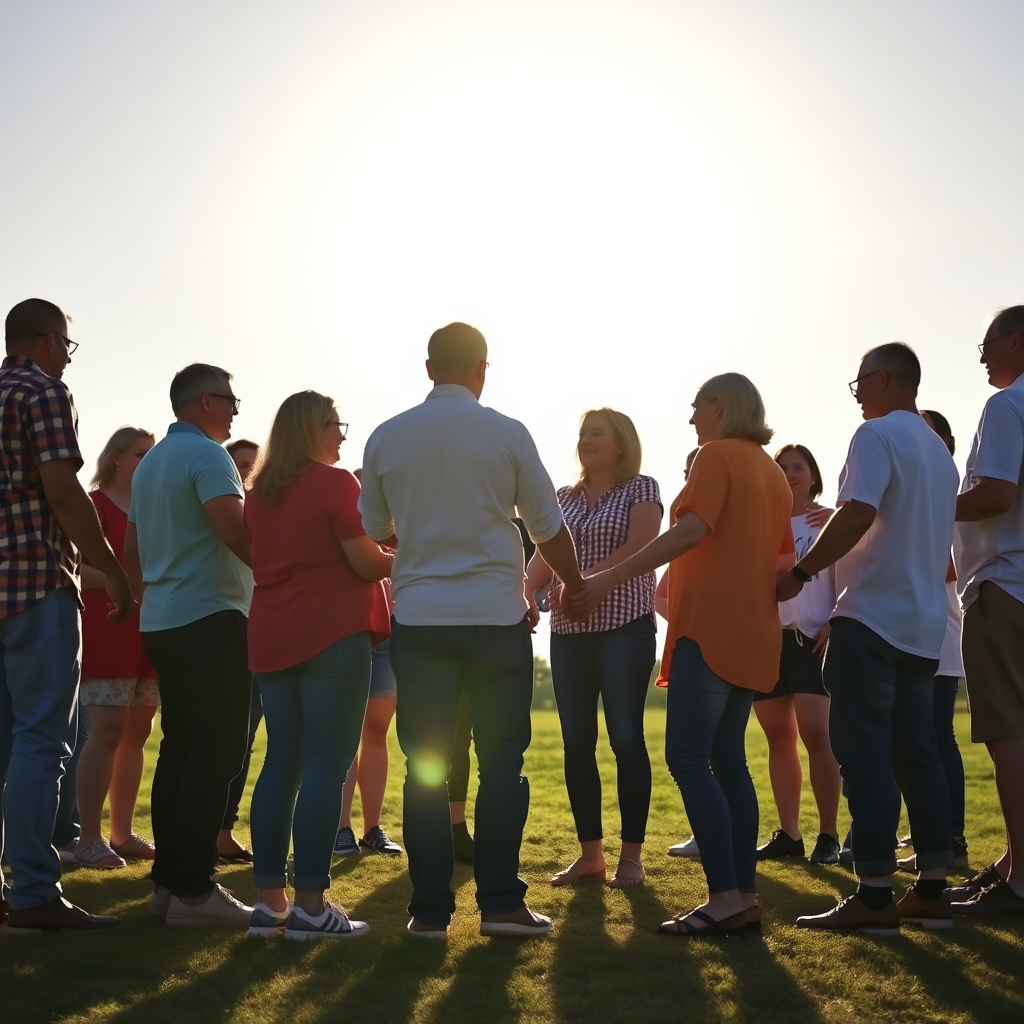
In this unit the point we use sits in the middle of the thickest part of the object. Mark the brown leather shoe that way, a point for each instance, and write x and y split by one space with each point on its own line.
852 915
58 913
995 899
986 876
935 913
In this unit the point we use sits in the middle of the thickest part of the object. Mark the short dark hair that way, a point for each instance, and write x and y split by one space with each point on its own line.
28 316
456 348
190 384
1009 320
812 464
898 360
241 443
941 426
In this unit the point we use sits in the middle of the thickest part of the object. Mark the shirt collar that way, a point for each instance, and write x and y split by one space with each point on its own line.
451 391
181 427
23 362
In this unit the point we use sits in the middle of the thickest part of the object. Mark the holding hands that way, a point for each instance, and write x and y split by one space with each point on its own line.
580 603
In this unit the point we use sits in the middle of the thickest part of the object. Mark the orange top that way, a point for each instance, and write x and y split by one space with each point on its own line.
721 593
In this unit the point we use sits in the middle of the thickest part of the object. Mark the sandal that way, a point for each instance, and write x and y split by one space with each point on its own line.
627 881
732 927
566 878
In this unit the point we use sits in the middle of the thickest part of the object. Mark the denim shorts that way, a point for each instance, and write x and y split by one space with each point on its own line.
382 679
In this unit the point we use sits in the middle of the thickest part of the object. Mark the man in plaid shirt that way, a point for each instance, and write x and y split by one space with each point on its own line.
45 519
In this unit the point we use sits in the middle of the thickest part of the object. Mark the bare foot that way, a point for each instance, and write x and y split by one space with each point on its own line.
628 873
581 870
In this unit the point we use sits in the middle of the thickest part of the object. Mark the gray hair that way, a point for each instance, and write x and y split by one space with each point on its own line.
196 380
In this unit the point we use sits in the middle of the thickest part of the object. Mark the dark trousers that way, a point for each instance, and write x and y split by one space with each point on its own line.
615 666
205 694
705 735
946 689
433 665
238 782
883 735
458 777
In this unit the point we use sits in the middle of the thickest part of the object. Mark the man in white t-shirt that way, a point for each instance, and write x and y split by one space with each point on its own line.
442 482
889 540
989 557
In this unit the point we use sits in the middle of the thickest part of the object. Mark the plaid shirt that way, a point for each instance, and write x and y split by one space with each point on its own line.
39 424
599 531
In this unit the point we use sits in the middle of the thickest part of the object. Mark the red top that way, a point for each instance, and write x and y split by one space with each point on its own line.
307 596
111 650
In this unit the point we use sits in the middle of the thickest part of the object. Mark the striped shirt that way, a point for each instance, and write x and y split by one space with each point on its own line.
39 425
597 532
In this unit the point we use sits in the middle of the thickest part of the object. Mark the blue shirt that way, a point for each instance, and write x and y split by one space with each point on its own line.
188 571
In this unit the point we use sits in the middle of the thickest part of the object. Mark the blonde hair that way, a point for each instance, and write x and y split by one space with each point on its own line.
628 464
742 407
120 441
295 443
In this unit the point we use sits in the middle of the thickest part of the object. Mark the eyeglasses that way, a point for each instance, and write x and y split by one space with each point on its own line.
71 346
853 383
999 337
233 399
343 427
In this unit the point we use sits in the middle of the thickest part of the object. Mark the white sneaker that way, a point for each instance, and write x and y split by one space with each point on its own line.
220 907
687 849
266 923
333 923
160 901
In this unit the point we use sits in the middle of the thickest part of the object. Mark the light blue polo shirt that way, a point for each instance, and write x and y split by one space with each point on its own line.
188 571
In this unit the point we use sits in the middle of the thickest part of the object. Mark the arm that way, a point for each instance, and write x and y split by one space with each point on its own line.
986 499
77 517
538 576
132 562
225 513
560 553
92 579
644 524
367 559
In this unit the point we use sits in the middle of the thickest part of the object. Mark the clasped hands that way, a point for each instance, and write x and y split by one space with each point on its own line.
580 601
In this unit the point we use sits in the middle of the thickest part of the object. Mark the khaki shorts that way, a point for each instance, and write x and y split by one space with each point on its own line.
993 649
119 693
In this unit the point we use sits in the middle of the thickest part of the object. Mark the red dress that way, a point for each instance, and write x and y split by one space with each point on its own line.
111 650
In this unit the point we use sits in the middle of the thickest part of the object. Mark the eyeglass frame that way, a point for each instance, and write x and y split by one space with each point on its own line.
71 346
233 399
853 383
341 426
999 337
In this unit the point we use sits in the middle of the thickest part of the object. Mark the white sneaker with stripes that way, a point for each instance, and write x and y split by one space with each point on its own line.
333 923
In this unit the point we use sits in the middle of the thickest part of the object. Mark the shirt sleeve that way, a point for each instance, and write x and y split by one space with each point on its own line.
788 544
343 508
535 493
214 474
1000 440
868 469
706 489
645 488
372 505
51 422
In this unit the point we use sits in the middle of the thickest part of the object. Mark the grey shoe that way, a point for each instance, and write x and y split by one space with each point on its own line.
523 923
333 923
219 907
266 923
159 901
419 930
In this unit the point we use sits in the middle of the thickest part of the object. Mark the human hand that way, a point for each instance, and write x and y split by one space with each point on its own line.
787 586
580 603
120 591
532 613
818 516
821 640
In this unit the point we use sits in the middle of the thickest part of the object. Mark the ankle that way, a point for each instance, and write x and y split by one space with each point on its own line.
874 897
930 888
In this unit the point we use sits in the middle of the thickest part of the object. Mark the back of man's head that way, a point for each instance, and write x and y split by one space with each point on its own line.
456 349
1009 320
196 380
899 361
33 317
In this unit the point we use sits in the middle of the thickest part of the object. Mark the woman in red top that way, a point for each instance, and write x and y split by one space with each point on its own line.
317 609
118 684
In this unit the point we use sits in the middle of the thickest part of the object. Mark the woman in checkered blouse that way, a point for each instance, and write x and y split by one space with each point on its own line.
612 512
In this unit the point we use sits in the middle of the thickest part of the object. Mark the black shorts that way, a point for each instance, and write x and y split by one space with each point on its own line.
799 668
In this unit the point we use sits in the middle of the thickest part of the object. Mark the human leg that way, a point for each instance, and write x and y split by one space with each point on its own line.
96 766
826 782
129 762
944 708
777 717
227 846
67 827
372 760
458 777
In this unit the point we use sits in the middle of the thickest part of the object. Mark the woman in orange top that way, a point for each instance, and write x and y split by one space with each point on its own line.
730 534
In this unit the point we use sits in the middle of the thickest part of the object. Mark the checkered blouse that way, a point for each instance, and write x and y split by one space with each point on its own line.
39 424
599 531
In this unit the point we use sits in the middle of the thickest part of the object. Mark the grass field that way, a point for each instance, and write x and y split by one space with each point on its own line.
604 962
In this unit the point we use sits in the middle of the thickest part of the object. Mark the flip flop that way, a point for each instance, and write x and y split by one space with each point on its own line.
732 927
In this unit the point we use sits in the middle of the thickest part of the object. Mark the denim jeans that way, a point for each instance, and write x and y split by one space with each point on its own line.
705 735
238 782
883 736
205 691
433 664
40 666
67 827
615 665
946 690
314 713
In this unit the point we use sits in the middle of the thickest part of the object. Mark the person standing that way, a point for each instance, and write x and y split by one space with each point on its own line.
47 519
186 549
612 512
889 541
989 558
442 481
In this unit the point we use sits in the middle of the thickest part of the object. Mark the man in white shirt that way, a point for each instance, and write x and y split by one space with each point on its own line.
989 557
889 540
443 481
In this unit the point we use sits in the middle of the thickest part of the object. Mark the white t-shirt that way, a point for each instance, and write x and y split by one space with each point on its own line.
951 661
993 549
812 607
894 580
447 477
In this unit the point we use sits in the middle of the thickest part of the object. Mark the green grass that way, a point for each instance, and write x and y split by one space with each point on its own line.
603 963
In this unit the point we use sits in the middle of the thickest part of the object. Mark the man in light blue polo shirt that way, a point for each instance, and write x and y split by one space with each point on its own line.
187 551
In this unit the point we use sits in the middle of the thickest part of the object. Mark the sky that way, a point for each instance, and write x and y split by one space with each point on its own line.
625 196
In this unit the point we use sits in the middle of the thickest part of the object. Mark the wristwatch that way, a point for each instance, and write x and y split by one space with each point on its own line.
802 576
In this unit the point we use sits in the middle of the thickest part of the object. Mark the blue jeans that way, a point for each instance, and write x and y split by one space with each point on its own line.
40 665
883 735
314 713
615 666
705 733
67 827
433 664
946 689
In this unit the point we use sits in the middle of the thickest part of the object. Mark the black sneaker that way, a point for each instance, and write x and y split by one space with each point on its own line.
780 845
378 841
345 844
826 849
463 843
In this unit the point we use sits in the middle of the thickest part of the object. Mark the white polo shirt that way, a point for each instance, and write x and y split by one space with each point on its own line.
447 477
993 549
894 580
